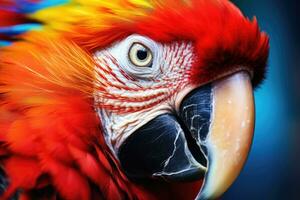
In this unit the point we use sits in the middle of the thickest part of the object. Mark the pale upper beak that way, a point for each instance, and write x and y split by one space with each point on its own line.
231 131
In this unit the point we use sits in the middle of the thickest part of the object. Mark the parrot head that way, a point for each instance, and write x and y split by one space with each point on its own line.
130 99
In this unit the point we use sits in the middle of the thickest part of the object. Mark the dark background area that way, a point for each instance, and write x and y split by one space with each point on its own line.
273 167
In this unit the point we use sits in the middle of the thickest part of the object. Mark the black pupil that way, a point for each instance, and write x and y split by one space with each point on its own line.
142 54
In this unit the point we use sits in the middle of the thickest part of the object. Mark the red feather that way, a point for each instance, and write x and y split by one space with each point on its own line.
22 172
68 181
91 168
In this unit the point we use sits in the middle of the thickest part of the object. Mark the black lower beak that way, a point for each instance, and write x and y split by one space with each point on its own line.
169 146
208 138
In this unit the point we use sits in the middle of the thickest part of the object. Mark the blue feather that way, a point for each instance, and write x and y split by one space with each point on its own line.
26 6
29 7
19 29
4 43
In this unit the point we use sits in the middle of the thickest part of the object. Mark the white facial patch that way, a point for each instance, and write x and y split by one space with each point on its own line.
127 95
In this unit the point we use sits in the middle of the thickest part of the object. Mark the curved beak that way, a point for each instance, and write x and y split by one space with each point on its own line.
231 132
209 138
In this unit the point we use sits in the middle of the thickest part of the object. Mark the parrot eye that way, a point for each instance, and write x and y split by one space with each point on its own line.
140 55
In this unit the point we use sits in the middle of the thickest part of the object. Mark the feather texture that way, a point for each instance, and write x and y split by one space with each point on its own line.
50 139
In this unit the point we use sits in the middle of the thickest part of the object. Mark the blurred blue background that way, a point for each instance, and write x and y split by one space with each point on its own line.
273 167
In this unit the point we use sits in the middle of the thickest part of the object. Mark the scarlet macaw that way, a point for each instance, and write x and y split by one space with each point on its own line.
126 99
